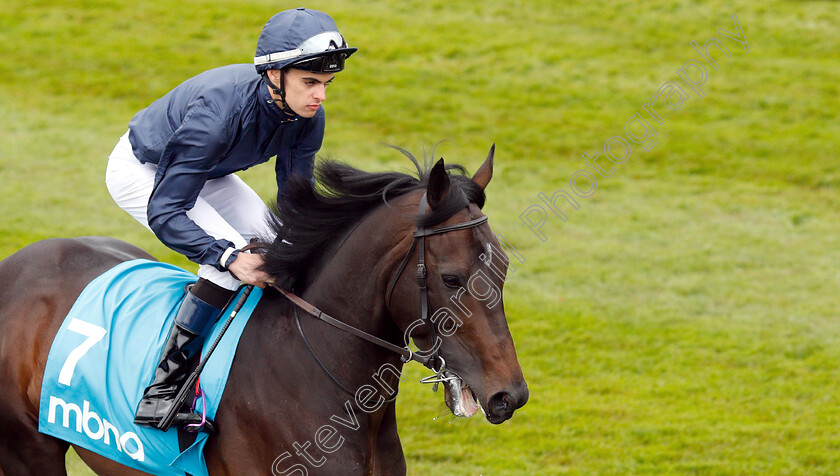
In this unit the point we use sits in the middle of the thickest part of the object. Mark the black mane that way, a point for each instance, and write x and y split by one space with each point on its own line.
310 218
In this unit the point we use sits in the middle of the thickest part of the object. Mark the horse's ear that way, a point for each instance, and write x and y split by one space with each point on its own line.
438 185
485 172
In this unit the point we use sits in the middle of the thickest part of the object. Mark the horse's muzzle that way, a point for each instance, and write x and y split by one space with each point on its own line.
501 405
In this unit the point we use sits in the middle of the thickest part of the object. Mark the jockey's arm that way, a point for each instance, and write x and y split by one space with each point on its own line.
190 155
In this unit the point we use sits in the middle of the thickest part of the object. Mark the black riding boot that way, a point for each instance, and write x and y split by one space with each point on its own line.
181 352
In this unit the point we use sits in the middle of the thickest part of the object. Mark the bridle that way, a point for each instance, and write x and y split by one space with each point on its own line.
433 361
420 234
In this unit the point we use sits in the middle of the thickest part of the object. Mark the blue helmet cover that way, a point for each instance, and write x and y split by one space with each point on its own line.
288 31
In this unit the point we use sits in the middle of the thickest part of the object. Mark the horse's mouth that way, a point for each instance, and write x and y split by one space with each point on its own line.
459 397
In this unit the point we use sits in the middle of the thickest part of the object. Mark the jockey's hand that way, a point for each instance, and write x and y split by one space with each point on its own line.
246 268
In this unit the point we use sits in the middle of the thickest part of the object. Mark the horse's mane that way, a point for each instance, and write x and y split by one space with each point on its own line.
310 218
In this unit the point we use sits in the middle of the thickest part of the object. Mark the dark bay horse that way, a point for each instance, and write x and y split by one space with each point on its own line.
346 246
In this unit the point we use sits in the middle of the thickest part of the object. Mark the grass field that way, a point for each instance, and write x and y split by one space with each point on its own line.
682 320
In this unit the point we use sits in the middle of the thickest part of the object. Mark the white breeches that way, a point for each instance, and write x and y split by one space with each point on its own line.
226 208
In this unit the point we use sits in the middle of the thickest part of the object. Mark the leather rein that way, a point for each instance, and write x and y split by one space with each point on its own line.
433 361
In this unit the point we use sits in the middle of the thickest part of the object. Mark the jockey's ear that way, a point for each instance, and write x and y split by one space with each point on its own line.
438 185
485 172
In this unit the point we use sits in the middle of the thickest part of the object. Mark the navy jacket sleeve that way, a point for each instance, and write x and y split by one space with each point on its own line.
189 156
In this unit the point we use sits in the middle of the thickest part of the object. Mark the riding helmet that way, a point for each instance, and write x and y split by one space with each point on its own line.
304 39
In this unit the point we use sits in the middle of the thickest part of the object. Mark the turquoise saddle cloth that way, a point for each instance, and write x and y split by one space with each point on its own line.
104 356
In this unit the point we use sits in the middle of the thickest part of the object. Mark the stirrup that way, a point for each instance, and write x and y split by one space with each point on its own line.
183 419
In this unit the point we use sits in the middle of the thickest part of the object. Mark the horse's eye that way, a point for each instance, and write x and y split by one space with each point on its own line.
451 281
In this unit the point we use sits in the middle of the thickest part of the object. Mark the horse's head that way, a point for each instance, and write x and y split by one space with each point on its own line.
465 324
327 233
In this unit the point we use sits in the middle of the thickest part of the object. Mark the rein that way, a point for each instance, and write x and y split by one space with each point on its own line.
406 354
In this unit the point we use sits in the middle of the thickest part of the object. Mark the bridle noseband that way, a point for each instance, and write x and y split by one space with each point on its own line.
433 361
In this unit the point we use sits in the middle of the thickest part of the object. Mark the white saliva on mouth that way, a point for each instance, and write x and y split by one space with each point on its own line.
462 400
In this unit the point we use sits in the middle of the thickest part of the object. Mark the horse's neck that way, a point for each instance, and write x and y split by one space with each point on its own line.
352 284
275 364
351 288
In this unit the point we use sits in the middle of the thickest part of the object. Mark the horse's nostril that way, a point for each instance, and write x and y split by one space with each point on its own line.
506 402
500 403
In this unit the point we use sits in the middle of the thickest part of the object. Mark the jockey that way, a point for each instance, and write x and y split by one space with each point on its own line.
173 172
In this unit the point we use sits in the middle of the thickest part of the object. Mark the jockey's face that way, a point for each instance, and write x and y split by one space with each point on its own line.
305 91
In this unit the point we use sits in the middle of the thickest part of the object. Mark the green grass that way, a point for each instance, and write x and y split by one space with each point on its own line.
681 321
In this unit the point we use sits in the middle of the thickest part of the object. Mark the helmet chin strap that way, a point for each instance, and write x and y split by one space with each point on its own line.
281 91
